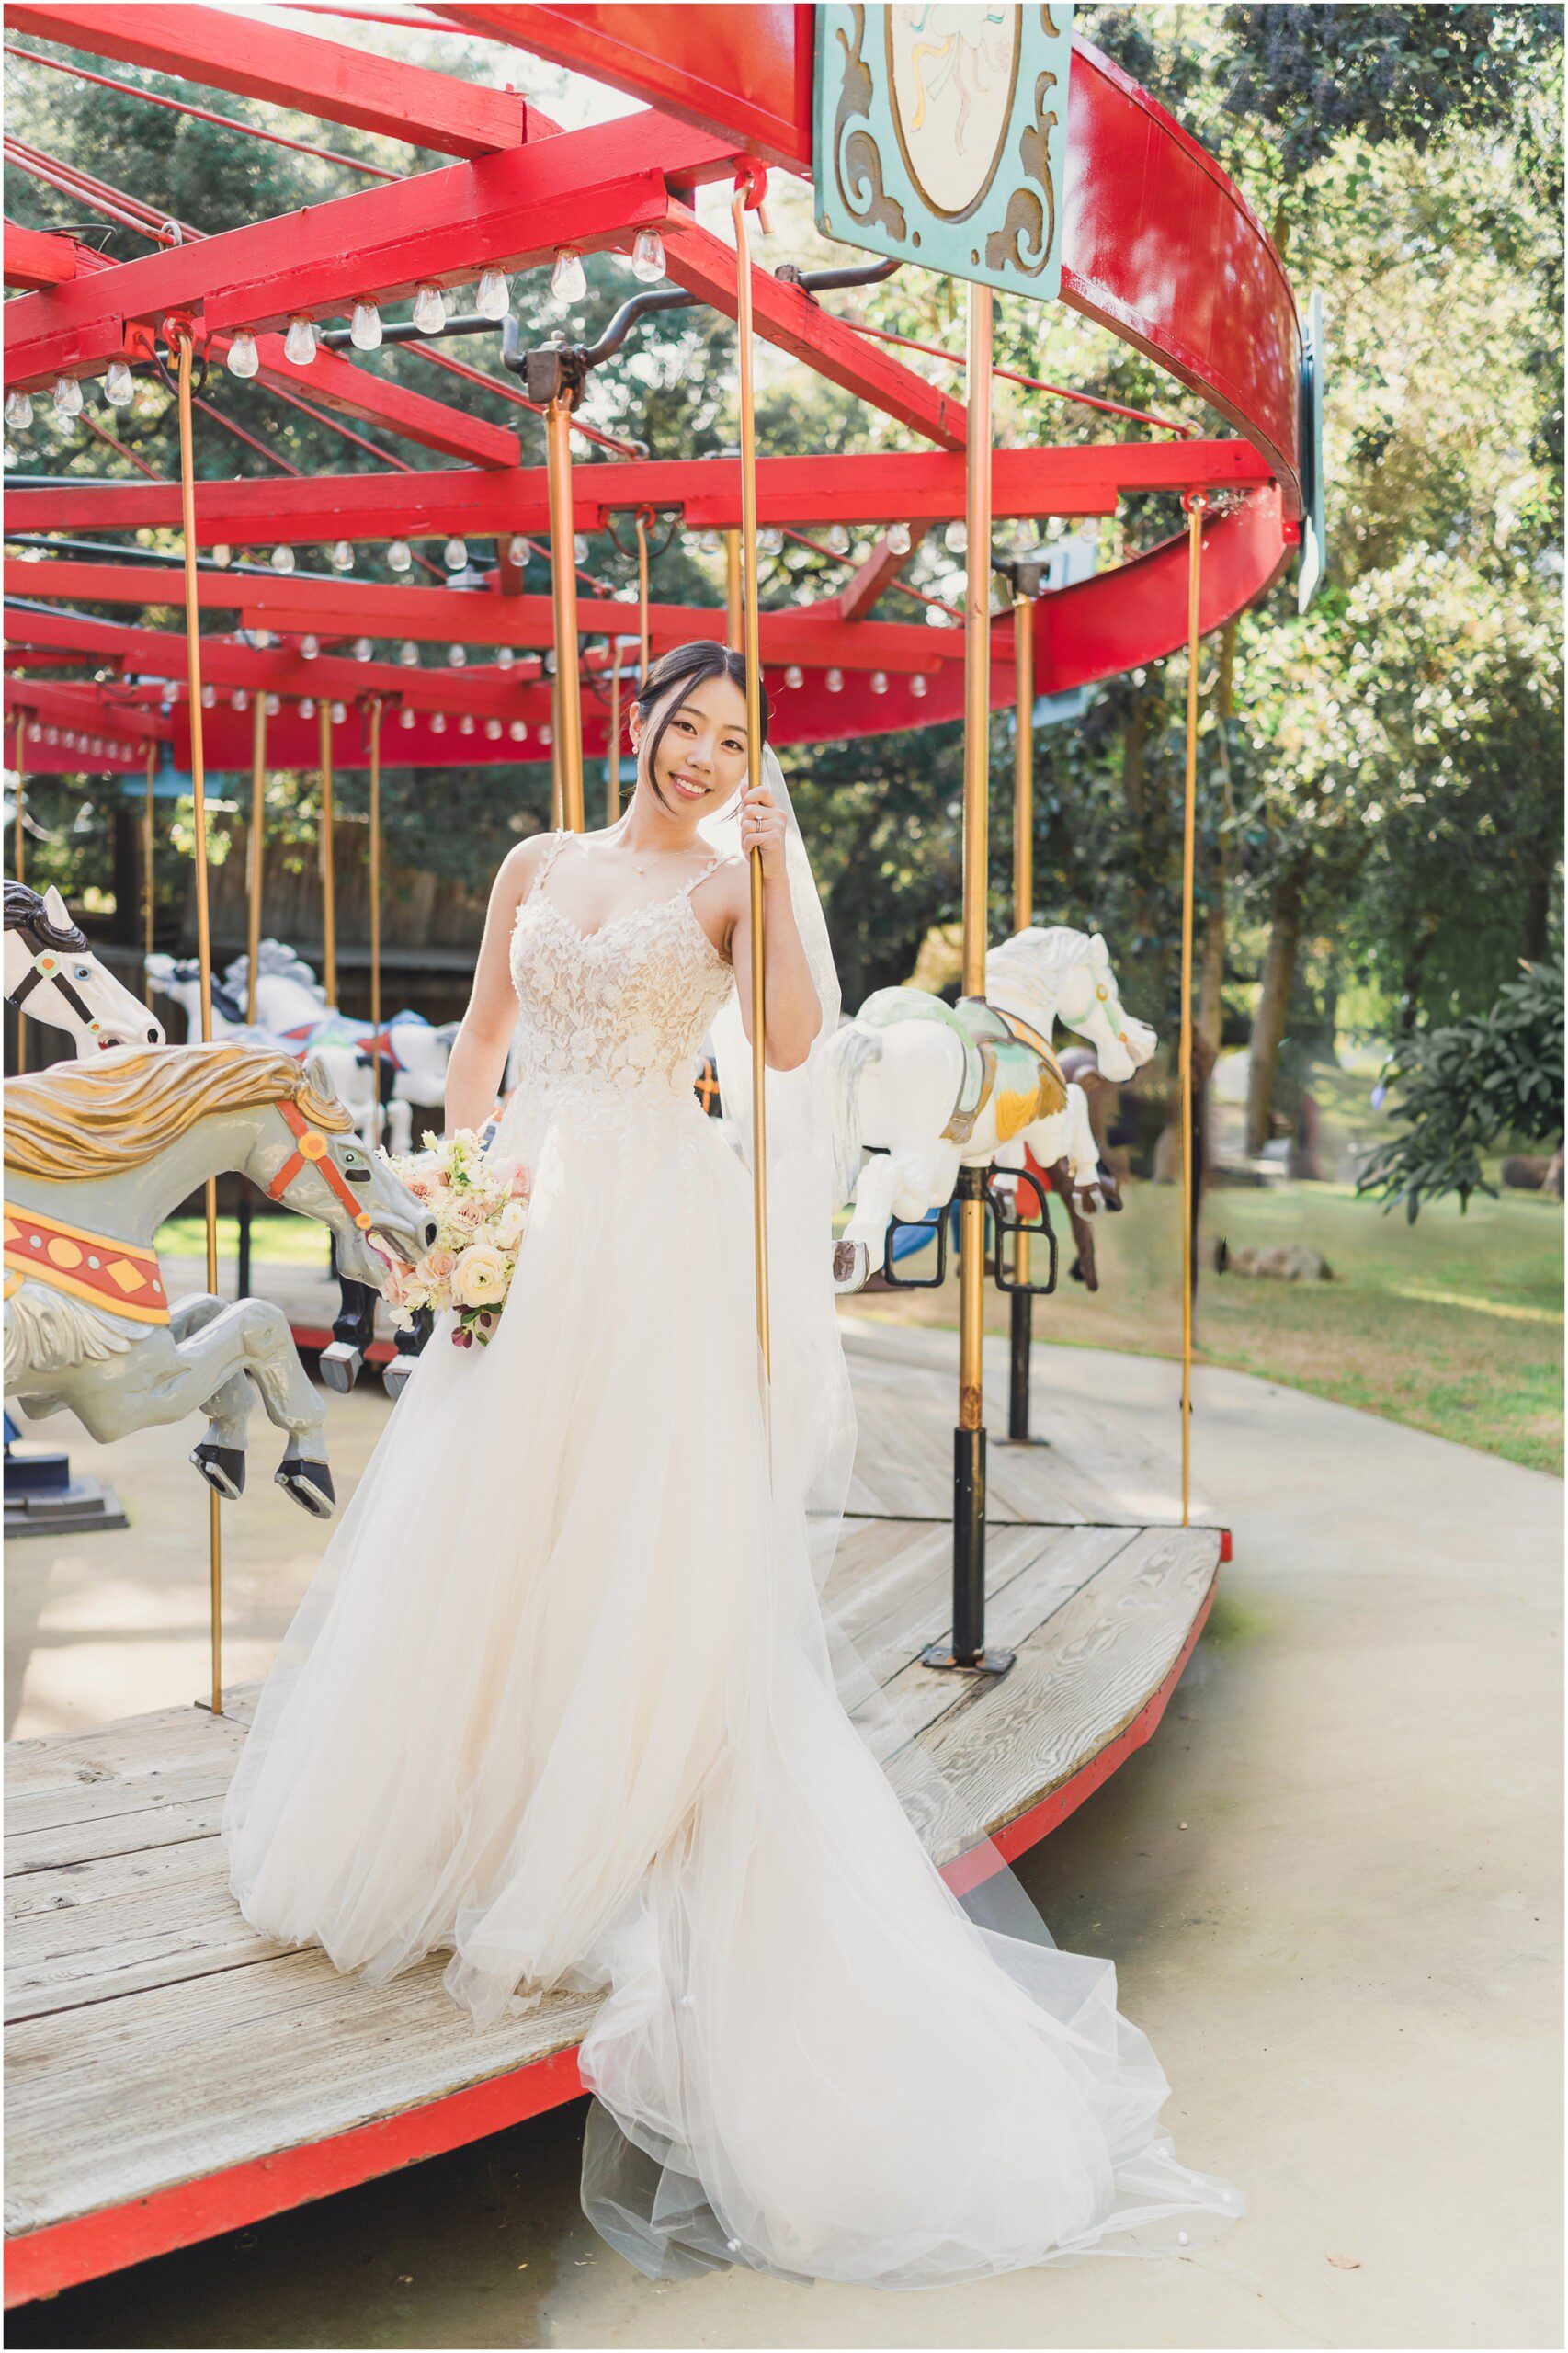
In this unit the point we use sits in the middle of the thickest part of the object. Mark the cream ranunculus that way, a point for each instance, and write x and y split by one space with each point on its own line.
483 1274
507 1229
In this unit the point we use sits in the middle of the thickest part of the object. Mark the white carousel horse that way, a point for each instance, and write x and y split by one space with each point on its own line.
54 976
933 1088
293 1002
96 1155
353 1080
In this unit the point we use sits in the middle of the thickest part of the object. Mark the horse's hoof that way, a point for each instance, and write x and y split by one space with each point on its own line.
310 1483
397 1373
222 1467
340 1363
851 1267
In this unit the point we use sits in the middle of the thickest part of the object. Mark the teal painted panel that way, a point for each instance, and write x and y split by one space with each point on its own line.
941 137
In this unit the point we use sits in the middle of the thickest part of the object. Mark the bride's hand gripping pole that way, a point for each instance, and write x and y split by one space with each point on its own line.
750 185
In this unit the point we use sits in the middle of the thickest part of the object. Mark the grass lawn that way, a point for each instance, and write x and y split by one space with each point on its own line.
286 1241
1454 1325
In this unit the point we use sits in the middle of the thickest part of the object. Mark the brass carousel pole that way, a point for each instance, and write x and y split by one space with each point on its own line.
733 625
254 863
328 882
612 761
751 632
641 599
376 878
149 911
1195 503
181 337
1022 1307
968 1648
19 860
568 732
555 817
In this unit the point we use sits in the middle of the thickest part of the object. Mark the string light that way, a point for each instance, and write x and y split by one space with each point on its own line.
406 718
580 549
299 343
429 311
516 552
363 649
504 657
341 556
438 724
771 541
307 706
283 559
493 730
223 556
465 724
648 256
239 699
956 537
547 735
338 714
400 555
710 543
917 684
365 327
67 396
18 411
457 656
838 539
209 695
493 299
900 539
879 682
794 675
120 384
244 358
273 706
834 682
310 646
408 654
517 731
568 279
52 734
455 555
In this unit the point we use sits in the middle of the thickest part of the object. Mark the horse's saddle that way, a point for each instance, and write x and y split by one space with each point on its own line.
1006 1062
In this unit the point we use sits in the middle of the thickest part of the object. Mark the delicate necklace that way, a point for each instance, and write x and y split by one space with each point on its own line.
639 865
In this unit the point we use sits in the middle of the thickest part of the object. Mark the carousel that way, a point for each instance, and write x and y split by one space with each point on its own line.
171 2075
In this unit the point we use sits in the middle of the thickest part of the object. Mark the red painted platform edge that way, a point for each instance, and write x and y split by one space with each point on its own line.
315 1336
64 2255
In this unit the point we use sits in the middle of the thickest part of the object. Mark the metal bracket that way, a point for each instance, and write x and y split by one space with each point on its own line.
1006 1220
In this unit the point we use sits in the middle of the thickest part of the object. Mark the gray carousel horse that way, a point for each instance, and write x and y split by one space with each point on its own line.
96 1155
53 976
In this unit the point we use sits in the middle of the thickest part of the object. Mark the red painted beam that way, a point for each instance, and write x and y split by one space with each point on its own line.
34 258
83 707
587 188
290 68
749 67
914 486
880 568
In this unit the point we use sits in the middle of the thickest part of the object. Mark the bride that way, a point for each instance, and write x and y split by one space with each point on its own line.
563 1699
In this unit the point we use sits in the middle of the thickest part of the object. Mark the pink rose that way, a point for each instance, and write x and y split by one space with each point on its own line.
438 1264
521 1182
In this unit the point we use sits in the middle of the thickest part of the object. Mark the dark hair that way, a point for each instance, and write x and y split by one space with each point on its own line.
682 668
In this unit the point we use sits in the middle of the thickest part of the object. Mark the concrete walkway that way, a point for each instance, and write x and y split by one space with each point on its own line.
1331 1886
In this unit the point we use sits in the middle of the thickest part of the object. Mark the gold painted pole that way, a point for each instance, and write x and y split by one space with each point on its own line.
752 636
612 763
1023 812
149 910
556 819
254 864
976 788
642 601
733 626
328 876
376 874
563 586
1196 503
203 928
19 860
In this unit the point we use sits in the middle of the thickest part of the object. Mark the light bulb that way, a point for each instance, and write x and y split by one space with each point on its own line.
579 548
517 553
438 724
455 555
794 675
52 734
262 637
310 646
341 556
465 724
307 706
899 539
838 539
406 718
338 714
547 735
495 297
244 358
547 661
34 734
400 555
363 649
119 385
771 541
457 655
710 543
365 327
834 682
879 682
517 731
568 280
408 654
917 684
429 311
283 559
493 730
209 695
96 747
956 537
239 699
504 657
18 411
648 256
299 343
67 396
273 706
223 556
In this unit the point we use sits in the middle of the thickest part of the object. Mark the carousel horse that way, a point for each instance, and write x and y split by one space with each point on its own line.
97 1157
924 1088
411 1052
54 976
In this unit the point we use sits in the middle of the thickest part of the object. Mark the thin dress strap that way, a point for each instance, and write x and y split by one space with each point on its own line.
718 859
548 860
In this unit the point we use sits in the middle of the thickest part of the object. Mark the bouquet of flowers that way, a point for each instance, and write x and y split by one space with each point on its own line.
481 1205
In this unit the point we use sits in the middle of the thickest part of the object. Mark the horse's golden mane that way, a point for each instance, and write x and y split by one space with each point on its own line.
80 1120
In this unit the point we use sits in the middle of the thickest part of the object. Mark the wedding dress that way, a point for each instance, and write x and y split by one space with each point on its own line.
563 1701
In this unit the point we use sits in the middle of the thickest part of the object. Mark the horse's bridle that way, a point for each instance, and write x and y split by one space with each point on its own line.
48 964
313 1149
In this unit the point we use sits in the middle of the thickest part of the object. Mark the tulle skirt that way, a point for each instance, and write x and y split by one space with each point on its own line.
563 1703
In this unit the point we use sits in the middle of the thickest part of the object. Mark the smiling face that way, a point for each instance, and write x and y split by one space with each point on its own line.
701 761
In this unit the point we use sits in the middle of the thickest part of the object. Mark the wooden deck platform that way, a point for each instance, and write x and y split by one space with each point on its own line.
170 2074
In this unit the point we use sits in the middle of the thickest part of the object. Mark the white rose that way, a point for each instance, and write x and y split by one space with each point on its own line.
481 1276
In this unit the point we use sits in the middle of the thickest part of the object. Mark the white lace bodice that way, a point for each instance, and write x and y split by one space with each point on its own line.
620 1011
